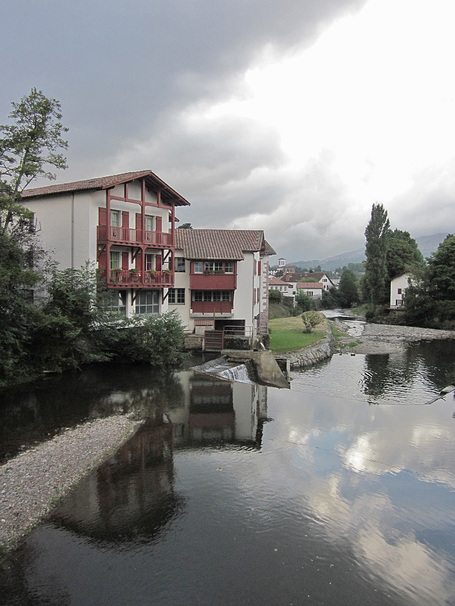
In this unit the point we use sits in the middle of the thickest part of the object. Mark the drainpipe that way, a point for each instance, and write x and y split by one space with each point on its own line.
72 231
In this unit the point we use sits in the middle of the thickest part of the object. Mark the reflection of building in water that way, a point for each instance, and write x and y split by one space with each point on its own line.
130 495
219 411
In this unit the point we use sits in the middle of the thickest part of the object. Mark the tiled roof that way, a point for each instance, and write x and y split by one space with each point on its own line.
278 282
152 181
310 285
229 244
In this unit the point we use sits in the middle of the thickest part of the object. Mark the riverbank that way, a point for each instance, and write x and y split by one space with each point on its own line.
384 338
32 483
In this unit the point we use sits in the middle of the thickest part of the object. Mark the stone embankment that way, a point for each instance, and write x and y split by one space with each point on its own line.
32 483
312 354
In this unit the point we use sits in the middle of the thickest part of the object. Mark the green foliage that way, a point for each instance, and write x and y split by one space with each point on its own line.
275 296
157 340
403 254
31 143
348 290
304 302
329 299
311 319
441 271
375 281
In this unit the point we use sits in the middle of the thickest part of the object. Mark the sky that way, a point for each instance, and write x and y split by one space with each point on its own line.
291 116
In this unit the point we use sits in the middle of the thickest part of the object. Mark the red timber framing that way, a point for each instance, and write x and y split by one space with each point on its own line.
135 243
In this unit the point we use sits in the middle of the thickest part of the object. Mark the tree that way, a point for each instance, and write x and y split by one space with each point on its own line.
375 280
441 271
348 289
403 253
303 301
27 147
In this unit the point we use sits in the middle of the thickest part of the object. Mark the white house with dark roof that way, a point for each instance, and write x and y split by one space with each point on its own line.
221 280
125 223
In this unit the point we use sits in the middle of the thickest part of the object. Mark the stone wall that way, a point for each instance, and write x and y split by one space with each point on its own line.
312 354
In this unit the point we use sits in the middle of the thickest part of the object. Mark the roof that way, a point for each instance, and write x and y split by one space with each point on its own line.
274 281
227 244
154 183
306 285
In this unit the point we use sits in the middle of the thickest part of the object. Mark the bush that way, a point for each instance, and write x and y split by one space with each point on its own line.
311 319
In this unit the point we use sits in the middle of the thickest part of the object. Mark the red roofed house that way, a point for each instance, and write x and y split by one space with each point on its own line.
221 280
124 222
287 289
311 289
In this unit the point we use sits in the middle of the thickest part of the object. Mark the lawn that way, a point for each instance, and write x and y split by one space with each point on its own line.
287 334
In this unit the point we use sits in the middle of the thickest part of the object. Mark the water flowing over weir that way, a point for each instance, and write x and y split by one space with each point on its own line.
229 371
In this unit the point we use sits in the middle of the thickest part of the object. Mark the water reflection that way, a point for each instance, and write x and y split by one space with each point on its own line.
337 501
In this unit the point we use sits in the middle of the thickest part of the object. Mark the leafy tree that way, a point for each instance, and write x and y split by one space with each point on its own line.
311 319
275 296
403 253
375 281
441 271
27 147
348 289
303 301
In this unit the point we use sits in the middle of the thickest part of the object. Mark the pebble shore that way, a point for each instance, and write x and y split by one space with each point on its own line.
32 483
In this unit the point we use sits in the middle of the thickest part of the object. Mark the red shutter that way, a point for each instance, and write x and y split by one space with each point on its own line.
125 261
102 214
159 224
158 260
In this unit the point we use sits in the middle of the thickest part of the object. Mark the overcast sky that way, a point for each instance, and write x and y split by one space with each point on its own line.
292 116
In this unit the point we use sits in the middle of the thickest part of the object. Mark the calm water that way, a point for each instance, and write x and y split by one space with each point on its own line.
339 491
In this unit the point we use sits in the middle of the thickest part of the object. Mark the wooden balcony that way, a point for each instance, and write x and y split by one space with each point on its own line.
211 307
124 235
124 278
209 281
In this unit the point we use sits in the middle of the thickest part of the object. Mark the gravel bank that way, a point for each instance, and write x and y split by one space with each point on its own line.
387 338
32 483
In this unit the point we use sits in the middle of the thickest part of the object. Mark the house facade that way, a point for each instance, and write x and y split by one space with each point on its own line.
221 280
287 289
398 286
125 223
311 289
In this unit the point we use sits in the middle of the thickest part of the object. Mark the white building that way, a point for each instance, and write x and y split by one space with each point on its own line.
221 280
398 286
124 223
287 289
311 289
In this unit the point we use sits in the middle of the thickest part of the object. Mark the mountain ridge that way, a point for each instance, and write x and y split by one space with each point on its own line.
427 245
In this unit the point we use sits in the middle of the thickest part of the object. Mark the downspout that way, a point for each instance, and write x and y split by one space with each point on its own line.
72 230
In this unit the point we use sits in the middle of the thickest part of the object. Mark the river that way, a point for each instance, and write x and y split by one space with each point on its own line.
339 491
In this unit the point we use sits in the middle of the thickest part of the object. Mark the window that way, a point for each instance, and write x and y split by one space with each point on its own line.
118 301
176 296
213 266
179 264
116 262
149 265
115 218
147 302
148 223
211 295
198 267
229 267
399 291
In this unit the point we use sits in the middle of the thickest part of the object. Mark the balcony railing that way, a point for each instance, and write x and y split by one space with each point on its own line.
209 281
140 279
212 307
126 235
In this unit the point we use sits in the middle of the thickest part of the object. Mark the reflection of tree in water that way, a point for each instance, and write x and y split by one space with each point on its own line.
430 363
37 411
131 497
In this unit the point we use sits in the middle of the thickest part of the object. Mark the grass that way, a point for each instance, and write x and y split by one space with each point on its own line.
287 334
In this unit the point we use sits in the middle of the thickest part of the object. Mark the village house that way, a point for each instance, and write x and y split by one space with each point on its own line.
309 276
221 280
311 289
126 225
398 286
287 289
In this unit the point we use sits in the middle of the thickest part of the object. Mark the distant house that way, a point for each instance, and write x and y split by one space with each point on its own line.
311 289
398 286
310 276
287 289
